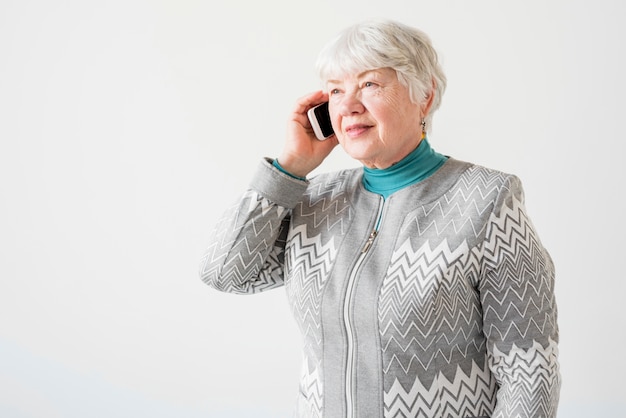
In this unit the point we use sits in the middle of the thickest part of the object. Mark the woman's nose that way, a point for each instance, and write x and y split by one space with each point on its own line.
351 105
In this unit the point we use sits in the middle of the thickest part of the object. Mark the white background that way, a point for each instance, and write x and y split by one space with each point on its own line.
126 127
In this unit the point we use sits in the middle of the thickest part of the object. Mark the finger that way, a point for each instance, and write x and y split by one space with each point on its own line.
306 102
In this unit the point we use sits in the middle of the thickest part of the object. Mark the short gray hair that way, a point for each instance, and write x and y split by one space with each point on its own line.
378 44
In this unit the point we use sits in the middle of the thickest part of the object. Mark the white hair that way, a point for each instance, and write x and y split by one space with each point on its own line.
379 44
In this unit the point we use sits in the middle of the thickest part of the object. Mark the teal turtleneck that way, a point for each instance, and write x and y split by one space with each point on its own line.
417 166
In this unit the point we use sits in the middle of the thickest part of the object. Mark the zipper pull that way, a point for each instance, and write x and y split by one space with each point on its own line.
369 242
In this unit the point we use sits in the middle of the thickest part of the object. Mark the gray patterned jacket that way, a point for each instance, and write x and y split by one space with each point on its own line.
437 302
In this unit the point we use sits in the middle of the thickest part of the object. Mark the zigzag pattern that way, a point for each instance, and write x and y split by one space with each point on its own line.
534 371
461 210
311 389
323 217
428 311
518 279
468 395
326 207
439 289
245 271
308 261
466 301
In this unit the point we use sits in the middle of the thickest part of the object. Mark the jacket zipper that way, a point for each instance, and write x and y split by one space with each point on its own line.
347 318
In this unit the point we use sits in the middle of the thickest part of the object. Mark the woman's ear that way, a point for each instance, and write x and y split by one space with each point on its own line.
428 100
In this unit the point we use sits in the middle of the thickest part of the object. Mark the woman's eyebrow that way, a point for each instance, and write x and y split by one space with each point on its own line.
358 76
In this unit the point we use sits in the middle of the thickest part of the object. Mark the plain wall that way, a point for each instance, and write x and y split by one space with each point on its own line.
126 127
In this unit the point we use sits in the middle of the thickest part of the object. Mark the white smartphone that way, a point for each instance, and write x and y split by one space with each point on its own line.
320 121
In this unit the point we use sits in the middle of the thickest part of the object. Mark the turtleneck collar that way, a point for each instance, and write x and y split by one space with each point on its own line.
422 162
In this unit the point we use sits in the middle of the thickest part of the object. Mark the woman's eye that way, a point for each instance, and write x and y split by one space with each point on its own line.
368 84
334 91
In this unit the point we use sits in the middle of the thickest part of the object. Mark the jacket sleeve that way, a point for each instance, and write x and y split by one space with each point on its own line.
245 254
519 311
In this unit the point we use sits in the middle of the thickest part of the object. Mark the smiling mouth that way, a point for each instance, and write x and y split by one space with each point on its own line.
356 130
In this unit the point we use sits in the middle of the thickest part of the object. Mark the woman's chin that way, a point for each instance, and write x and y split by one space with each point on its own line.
357 148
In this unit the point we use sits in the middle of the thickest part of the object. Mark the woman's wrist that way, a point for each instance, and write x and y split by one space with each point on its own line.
277 164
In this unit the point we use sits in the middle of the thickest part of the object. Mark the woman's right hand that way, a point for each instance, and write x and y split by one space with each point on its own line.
303 152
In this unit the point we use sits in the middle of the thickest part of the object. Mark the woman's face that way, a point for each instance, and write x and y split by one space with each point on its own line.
374 118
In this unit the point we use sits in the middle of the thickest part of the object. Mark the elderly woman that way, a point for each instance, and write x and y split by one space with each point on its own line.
418 281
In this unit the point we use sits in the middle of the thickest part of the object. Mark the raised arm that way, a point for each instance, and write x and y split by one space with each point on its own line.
246 250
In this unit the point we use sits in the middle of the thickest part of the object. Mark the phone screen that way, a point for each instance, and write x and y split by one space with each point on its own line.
321 121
